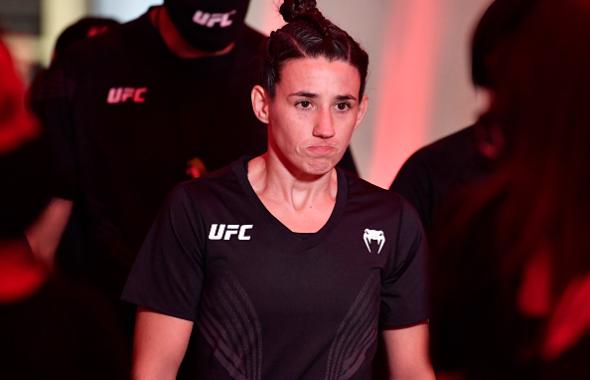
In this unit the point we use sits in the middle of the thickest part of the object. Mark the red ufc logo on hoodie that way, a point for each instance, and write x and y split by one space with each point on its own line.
210 19
126 94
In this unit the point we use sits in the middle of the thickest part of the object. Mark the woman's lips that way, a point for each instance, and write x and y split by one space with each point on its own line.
320 150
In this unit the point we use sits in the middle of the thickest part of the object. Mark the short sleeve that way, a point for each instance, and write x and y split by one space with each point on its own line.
167 275
404 299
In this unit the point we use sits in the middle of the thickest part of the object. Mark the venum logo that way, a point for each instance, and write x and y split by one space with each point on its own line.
226 232
126 94
370 236
209 20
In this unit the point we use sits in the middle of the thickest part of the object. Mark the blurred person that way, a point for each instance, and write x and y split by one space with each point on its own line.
50 328
285 266
126 111
437 170
511 266
433 174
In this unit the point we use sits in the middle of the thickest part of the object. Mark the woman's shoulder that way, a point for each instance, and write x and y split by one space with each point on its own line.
382 203
364 190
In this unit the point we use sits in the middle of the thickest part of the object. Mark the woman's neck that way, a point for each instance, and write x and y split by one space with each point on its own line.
301 202
268 176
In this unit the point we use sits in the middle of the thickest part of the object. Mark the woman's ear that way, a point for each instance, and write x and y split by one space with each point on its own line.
260 103
362 110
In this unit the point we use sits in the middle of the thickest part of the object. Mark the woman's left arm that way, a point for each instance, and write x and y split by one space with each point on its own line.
407 353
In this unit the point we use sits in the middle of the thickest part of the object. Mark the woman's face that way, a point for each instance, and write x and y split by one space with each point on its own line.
313 113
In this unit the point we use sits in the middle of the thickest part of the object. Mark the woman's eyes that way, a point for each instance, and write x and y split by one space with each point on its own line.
306 104
344 106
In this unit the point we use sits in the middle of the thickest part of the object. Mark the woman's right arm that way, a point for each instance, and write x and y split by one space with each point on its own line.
159 345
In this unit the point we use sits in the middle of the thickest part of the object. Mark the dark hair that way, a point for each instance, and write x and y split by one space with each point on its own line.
496 28
309 34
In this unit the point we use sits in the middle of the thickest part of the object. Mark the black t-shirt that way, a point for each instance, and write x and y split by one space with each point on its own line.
269 303
439 170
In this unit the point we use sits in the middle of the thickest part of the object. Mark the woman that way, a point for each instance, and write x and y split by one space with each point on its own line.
286 266
511 270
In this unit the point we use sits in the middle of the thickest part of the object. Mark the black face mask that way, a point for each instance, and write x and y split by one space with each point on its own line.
208 25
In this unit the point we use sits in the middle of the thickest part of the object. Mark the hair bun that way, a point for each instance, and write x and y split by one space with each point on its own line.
292 9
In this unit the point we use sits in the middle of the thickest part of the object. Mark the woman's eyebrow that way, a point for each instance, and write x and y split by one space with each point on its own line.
345 97
312 95
304 94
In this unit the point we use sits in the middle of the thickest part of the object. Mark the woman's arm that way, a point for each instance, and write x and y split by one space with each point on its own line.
407 353
159 345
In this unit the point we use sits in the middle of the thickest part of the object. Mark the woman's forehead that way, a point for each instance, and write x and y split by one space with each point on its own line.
319 74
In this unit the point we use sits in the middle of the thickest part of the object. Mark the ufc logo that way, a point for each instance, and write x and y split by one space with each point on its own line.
125 94
210 19
225 232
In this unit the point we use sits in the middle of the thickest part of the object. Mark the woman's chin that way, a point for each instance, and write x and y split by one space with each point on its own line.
319 167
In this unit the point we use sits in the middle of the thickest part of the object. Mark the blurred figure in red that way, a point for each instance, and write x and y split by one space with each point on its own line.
511 267
16 125
50 328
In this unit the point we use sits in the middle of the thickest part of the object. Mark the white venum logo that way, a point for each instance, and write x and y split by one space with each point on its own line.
210 19
374 235
225 232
